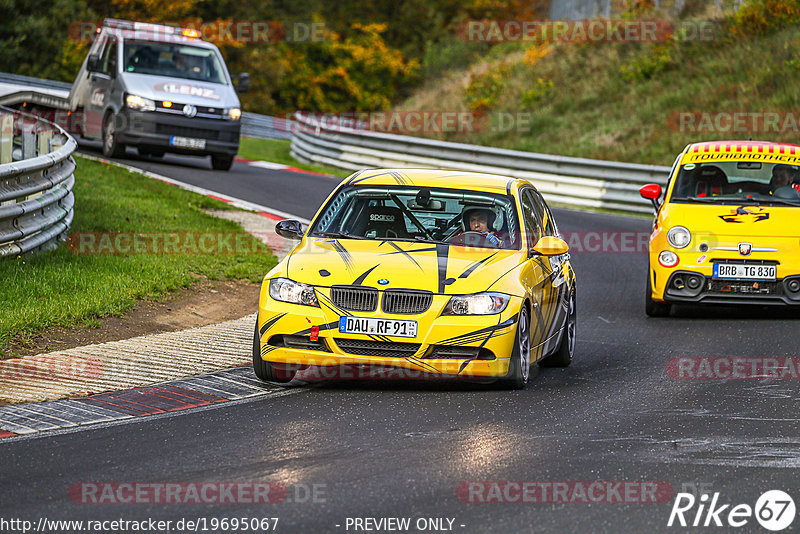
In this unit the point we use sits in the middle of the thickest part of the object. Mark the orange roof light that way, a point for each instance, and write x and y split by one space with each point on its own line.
191 33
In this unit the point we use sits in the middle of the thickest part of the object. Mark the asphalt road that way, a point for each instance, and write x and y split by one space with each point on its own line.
402 449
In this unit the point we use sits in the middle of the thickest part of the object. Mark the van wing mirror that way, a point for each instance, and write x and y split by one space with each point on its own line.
93 63
244 82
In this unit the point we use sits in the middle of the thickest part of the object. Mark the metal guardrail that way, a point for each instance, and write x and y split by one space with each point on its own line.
266 127
36 181
18 79
573 181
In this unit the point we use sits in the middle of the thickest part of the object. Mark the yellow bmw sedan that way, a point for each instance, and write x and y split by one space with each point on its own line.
447 273
727 230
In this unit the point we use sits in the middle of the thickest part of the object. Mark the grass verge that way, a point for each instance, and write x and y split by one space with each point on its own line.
279 151
65 287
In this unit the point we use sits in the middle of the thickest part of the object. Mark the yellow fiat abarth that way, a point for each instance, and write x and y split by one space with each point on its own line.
447 273
728 231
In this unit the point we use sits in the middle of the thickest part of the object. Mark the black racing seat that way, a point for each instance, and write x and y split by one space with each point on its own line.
385 221
711 182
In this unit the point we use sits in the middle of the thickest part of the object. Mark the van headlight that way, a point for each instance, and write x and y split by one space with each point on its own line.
140 103
286 290
477 304
679 237
234 114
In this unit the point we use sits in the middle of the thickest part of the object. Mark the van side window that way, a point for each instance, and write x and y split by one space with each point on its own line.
108 64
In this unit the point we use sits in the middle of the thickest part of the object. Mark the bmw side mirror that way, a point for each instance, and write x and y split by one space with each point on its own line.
289 229
550 246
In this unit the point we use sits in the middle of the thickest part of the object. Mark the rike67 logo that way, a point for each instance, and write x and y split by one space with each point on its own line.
774 510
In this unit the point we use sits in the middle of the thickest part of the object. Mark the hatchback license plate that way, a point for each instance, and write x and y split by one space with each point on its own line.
187 142
738 271
379 327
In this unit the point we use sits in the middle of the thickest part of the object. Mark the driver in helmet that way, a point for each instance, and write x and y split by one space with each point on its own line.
481 220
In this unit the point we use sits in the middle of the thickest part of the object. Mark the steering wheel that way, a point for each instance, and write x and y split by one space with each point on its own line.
472 239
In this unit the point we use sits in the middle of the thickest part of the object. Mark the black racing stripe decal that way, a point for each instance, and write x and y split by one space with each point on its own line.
354 176
346 258
360 280
266 349
475 265
405 253
389 173
441 258
537 310
458 339
401 178
431 249
266 326
424 365
331 306
483 343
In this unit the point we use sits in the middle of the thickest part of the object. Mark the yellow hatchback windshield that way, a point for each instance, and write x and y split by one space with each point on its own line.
737 182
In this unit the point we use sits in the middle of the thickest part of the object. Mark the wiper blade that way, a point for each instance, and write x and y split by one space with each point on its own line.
339 235
704 200
783 201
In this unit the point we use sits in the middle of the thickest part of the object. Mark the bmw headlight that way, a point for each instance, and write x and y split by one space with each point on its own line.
234 114
140 103
286 290
477 304
679 237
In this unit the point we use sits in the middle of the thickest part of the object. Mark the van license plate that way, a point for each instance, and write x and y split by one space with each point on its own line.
187 142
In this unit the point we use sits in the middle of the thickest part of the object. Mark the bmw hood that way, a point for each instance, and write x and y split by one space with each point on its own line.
439 268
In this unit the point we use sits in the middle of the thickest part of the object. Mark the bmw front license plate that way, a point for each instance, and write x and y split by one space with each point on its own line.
738 271
187 142
378 327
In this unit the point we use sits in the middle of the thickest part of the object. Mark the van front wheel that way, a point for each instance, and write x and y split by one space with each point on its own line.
221 163
112 148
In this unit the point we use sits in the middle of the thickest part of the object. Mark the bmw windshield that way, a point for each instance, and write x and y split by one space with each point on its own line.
452 216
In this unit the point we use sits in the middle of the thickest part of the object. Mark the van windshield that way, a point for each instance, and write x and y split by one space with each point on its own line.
173 60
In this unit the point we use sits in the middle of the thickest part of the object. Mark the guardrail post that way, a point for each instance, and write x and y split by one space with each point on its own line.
44 139
6 137
28 139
